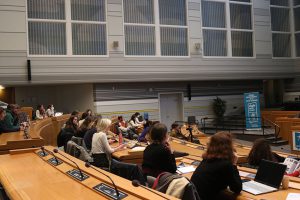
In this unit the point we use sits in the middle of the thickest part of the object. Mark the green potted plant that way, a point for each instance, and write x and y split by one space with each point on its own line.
219 108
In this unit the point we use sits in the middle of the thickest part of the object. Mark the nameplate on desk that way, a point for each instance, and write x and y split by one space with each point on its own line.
54 162
196 163
75 173
109 191
42 154
176 141
191 145
200 147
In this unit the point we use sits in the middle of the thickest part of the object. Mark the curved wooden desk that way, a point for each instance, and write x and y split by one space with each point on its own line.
36 179
177 145
41 132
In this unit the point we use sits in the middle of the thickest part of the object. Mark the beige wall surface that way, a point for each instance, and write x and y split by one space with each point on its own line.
65 98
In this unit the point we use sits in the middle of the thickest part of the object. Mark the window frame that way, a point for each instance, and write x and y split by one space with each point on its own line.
229 30
69 37
295 32
157 31
292 29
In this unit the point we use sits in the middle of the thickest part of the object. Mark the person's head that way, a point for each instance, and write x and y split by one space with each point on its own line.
120 118
75 113
84 115
2 113
220 146
72 122
87 121
89 112
159 133
50 106
260 150
133 117
137 114
40 107
103 125
95 120
14 108
174 126
148 123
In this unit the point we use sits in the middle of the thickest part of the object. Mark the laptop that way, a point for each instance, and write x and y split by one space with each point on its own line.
267 179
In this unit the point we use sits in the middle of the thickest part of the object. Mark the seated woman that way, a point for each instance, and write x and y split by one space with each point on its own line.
175 131
84 127
126 131
218 169
68 132
88 137
139 119
261 150
40 113
158 156
10 121
50 111
133 125
101 150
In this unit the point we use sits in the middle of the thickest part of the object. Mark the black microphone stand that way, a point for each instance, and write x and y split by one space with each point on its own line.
191 133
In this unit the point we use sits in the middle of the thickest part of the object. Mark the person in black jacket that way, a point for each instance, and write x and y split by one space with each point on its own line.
158 156
88 137
68 132
218 169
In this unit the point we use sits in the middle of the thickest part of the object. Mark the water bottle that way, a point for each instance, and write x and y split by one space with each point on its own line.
120 138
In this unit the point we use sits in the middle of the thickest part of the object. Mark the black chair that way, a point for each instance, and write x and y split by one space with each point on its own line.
127 170
3 195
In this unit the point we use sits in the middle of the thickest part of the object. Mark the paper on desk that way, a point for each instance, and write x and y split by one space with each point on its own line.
185 170
246 174
294 185
138 149
293 196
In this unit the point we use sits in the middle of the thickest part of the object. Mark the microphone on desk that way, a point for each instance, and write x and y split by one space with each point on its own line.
87 164
43 150
56 151
136 183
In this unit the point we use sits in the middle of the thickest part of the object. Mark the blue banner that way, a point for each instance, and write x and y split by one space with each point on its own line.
252 110
296 141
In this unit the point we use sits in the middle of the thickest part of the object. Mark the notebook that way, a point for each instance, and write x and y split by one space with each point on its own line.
267 179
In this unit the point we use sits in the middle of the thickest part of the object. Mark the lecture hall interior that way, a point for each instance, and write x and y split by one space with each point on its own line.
150 99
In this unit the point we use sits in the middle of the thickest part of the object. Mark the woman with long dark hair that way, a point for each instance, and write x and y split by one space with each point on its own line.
218 169
261 149
85 126
68 132
40 112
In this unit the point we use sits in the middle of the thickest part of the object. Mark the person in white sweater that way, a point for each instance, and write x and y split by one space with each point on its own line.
101 150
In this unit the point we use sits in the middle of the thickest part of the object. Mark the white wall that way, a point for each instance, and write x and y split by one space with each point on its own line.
117 68
198 106
65 98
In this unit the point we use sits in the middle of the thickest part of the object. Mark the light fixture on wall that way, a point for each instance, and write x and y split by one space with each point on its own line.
115 44
2 87
197 46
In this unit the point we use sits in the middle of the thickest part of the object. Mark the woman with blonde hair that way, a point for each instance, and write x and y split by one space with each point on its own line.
218 169
101 150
